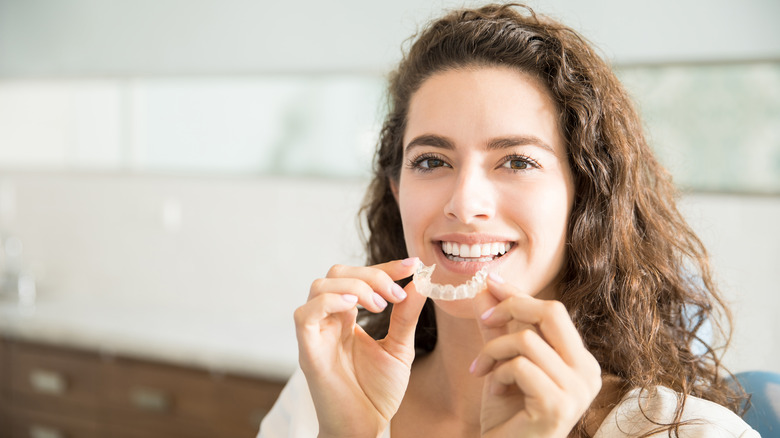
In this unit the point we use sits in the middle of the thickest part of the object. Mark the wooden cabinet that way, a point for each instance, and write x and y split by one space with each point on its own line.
249 402
56 392
45 379
5 418
34 424
53 392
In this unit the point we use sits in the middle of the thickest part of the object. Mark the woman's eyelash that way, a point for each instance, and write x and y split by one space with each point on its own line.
519 162
426 162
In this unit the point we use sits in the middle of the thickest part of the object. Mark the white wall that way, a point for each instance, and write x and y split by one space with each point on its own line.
178 239
184 37
741 235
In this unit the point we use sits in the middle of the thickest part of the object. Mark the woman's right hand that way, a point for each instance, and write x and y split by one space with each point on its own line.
357 383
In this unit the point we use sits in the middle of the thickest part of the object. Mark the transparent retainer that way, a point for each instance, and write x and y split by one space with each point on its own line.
447 292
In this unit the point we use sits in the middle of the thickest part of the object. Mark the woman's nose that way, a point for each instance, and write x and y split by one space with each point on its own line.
472 197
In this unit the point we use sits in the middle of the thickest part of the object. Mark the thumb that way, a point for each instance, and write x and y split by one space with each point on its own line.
403 323
398 269
482 303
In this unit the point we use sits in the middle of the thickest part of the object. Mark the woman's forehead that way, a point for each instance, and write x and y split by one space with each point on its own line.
482 104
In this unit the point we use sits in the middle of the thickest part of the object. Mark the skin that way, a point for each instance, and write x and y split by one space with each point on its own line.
507 363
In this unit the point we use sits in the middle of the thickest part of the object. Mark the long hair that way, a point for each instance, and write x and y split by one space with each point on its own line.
637 280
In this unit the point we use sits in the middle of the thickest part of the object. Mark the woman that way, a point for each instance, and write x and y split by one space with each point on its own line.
510 146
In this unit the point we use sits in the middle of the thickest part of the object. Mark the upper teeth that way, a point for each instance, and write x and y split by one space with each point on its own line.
477 250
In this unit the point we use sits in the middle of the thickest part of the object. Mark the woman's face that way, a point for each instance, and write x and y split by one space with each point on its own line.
485 171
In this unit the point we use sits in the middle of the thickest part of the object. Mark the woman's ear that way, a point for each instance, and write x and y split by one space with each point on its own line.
394 188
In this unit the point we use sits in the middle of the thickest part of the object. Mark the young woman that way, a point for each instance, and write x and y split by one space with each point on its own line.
509 145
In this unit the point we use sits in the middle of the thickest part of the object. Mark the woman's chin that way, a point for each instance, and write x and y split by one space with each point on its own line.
463 309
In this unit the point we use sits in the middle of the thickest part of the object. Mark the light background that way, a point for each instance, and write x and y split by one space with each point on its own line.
211 156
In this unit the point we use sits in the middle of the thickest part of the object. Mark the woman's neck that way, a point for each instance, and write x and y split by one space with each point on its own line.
445 371
443 399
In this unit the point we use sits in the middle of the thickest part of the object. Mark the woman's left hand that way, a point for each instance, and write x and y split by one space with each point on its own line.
540 378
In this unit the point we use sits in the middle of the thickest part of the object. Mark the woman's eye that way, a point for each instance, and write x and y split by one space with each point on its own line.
426 163
431 163
518 164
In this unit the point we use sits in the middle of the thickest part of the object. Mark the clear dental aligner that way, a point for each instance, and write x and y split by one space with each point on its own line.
447 292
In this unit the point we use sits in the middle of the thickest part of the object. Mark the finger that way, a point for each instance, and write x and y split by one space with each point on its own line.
547 409
482 302
319 325
330 315
367 297
310 315
529 344
526 376
381 278
403 322
549 316
399 269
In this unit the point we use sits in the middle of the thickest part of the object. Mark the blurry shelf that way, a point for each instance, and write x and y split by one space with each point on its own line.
218 340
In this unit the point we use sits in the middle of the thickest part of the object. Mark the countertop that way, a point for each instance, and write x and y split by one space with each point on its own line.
237 340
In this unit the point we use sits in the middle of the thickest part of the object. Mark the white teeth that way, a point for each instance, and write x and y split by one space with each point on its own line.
475 251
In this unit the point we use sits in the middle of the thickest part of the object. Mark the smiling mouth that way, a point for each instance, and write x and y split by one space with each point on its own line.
479 252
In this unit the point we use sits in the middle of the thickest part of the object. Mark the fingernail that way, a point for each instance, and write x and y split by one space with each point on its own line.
496 278
487 313
379 301
398 291
473 366
350 298
411 261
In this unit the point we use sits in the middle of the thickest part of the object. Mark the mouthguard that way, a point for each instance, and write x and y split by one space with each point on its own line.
447 292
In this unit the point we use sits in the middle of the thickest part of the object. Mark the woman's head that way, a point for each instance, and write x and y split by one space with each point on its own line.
591 107
630 255
485 181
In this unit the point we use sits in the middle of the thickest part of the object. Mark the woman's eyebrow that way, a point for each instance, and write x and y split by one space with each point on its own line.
436 141
519 140
494 144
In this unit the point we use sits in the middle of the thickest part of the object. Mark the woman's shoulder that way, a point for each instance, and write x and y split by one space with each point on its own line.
642 411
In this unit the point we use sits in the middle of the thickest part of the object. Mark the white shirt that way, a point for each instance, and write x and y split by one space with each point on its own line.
293 416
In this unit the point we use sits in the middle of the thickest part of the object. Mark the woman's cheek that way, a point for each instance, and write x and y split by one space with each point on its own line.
410 219
419 205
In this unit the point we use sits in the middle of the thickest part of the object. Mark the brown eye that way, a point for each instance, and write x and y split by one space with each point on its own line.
431 163
427 163
518 164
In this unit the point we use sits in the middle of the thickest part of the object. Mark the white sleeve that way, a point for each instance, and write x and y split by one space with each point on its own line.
293 414
705 419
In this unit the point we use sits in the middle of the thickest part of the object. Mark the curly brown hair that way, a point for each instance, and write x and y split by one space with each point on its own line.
637 280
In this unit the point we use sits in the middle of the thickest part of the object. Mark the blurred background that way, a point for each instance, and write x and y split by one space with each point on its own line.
175 173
